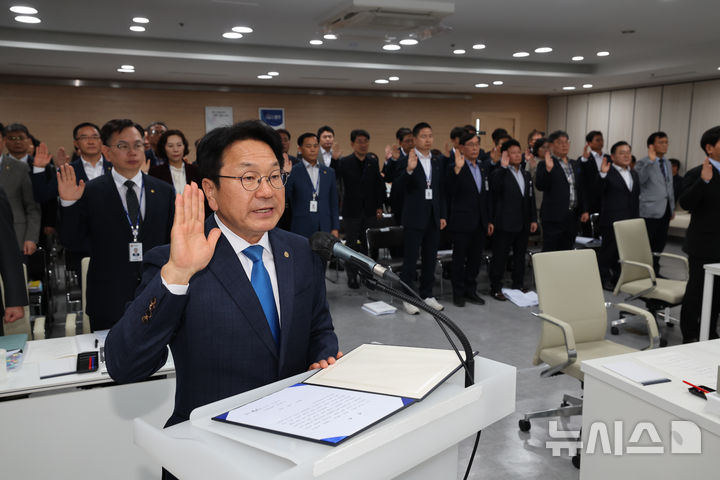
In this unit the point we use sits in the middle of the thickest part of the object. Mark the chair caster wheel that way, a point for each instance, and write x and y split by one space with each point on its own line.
576 460
524 425
615 330
663 342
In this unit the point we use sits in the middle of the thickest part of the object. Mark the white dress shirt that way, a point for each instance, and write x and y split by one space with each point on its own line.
426 164
239 244
327 156
517 173
314 172
93 172
178 178
598 158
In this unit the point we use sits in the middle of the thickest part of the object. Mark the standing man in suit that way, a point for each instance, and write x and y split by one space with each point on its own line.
514 217
11 271
677 178
286 137
240 303
560 179
329 153
469 214
90 164
422 180
116 215
312 192
620 200
701 197
364 192
14 179
657 200
391 169
590 162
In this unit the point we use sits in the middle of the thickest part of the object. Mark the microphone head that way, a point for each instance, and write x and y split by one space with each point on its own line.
322 244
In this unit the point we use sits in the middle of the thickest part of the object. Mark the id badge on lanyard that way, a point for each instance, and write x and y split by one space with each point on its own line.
428 192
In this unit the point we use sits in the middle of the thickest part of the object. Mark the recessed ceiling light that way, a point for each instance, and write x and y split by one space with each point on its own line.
316 42
391 47
264 77
137 28
459 51
242 29
330 36
140 20
273 74
481 85
498 82
408 41
588 85
393 79
126 70
127 67
543 50
478 46
577 58
22 10
77 82
603 54
26 19
568 88
382 81
521 54
232 35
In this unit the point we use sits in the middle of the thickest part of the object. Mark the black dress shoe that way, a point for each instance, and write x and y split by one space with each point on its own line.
498 296
473 297
608 285
522 289
458 301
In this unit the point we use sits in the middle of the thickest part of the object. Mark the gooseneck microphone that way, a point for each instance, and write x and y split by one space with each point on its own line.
327 246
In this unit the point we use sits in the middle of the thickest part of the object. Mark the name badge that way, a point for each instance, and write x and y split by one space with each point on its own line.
313 205
487 185
428 194
136 251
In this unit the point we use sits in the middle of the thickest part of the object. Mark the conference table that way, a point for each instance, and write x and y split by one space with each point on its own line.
77 425
711 270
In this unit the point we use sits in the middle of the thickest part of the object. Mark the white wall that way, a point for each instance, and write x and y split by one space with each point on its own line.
684 111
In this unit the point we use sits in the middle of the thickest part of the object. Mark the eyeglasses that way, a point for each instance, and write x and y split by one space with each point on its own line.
124 147
251 180
16 138
85 138
157 131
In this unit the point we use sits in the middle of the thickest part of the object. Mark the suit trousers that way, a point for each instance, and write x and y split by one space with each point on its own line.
468 249
608 256
657 229
560 235
356 238
692 301
423 243
502 242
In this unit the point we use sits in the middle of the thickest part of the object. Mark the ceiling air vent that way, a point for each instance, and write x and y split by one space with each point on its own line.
388 16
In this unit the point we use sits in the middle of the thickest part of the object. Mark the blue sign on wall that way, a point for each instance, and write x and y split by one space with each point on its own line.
274 117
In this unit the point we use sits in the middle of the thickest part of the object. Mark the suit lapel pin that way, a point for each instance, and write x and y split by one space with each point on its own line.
286 254
152 190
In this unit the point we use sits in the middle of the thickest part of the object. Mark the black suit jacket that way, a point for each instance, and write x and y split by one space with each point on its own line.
592 186
363 187
45 192
80 169
11 270
556 191
99 219
192 173
702 200
469 208
513 210
617 202
416 210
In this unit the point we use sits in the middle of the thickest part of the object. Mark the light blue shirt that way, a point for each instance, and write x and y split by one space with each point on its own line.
475 171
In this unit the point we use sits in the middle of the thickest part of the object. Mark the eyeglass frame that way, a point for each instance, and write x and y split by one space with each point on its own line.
85 138
125 147
15 138
283 175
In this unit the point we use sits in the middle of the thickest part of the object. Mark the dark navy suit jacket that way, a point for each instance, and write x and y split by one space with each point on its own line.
219 337
299 192
416 210
513 210
617 202
80 169
556 191
469 208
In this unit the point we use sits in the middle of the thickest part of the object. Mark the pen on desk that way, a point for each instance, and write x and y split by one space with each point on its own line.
96 343
696 387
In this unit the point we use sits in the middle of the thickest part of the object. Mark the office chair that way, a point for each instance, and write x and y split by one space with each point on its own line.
71 318
637 276
573 310
34 327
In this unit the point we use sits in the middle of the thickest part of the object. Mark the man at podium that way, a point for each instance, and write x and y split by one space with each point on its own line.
240 303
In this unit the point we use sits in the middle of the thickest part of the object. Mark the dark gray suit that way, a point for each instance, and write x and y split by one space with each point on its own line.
15 180
657 201
11 270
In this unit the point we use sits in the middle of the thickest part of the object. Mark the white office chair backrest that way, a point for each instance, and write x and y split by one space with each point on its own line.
633 244
22 325
569 289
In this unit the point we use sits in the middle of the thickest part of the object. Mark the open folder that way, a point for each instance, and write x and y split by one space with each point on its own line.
361 389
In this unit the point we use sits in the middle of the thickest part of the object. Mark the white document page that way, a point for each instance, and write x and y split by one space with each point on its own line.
313 412
685 367
637 372
59 366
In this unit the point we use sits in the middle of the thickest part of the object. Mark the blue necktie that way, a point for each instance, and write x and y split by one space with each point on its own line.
260 281
662 167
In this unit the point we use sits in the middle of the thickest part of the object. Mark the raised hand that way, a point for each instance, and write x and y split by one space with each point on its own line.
706 173
505 159
459 161
61 157
605 167
529 157
586 151
412 161
287 164
495 154
42 156
145 167
388 152
190 250
336 152
651 153
549 162
68 189
447 150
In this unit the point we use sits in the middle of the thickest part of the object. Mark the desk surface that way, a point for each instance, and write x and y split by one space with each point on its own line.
713 268
695 362
25 379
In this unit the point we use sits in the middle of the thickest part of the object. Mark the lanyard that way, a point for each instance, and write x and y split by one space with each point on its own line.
135 229
317 183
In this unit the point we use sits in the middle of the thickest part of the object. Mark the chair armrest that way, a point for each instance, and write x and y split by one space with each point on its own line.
649 319
683 259
70 324
39 328
647 267
567 332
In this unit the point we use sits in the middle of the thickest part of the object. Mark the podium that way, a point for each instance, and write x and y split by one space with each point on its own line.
418 442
